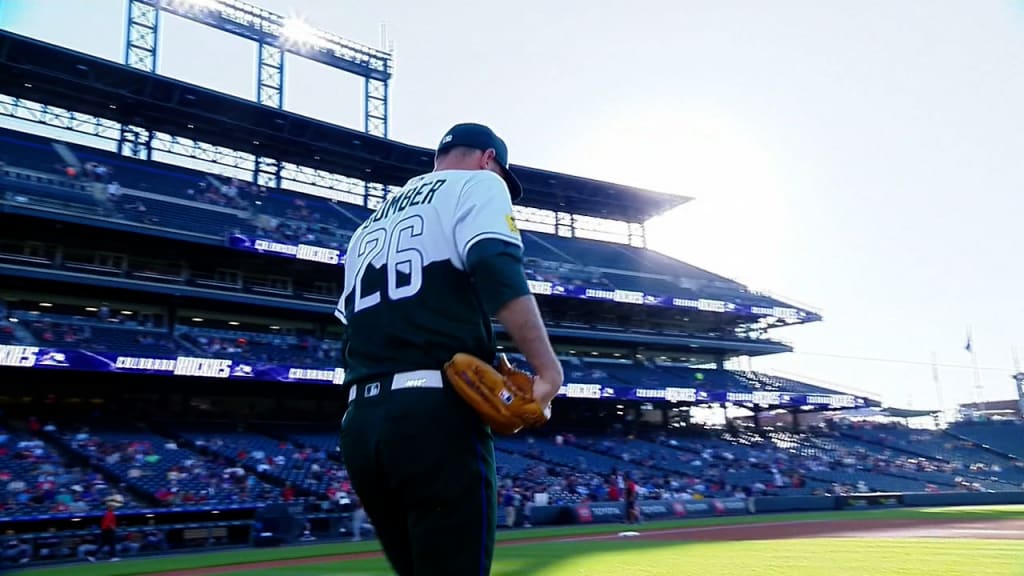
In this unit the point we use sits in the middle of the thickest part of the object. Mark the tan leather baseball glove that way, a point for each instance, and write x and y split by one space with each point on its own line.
503 397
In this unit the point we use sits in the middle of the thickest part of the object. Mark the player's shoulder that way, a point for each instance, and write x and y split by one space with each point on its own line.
485 179
470 178
478 184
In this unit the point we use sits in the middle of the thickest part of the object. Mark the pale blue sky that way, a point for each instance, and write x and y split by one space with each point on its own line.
863 157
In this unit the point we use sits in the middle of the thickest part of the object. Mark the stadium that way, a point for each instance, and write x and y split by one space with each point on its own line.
168 351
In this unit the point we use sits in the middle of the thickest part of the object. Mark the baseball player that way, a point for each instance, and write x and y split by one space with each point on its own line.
424 275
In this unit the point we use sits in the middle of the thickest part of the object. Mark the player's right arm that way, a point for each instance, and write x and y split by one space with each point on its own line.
521 318
491 250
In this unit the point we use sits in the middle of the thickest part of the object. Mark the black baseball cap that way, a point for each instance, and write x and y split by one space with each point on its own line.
481 137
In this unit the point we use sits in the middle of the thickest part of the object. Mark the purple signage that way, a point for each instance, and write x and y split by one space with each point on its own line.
194 366
336 257
80 359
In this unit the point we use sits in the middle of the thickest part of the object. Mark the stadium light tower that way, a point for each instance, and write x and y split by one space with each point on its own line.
275 35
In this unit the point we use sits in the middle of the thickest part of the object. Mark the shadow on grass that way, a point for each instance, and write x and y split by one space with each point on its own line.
633 557
1014 511
539 558
550 558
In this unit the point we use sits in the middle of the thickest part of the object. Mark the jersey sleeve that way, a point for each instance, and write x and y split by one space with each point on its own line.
484 211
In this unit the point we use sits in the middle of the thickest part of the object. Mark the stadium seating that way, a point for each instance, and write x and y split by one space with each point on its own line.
877 463
216 206
175 215
38 480
774 383
47 191
188 464
308 468
73 332
313 436
126 337
578 459
156 466
29 151
512 464
1005 437
968 460
627 372
705 378
7 334
580 251
261 347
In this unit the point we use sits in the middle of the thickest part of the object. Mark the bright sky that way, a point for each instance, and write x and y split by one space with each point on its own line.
861 157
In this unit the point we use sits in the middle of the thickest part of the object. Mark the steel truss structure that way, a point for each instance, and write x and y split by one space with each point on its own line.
269 92
302 178
291 176
140 46
275 35
305 179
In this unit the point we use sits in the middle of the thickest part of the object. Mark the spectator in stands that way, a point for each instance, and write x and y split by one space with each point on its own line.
85 547
528 505
130 544
94 171
113 191
613 490
632 496
108 535
52 545
307 534
358 518
153 538
15 550
508 501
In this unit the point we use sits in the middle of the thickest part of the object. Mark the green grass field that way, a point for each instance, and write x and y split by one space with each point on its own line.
803 557
807 557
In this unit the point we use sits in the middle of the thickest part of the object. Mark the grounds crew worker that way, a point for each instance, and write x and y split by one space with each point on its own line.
424 274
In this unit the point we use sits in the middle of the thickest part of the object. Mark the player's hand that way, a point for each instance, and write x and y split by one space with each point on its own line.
545 388
505 397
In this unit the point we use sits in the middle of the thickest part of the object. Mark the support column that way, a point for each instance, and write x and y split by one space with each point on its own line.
376 108
269 92
140 51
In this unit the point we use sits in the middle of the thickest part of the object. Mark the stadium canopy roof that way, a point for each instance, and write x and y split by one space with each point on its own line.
878 411
52 75
908 413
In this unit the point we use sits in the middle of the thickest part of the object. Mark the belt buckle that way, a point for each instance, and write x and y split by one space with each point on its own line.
371 390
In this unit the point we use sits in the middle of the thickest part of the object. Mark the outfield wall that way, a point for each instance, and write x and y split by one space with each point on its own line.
598 512
601 512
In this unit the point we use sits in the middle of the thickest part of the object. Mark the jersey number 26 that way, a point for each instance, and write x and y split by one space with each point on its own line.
394 251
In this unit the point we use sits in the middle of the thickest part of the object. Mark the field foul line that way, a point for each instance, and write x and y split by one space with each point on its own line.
689 530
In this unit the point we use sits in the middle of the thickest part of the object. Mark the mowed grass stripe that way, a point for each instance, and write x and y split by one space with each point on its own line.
807 557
